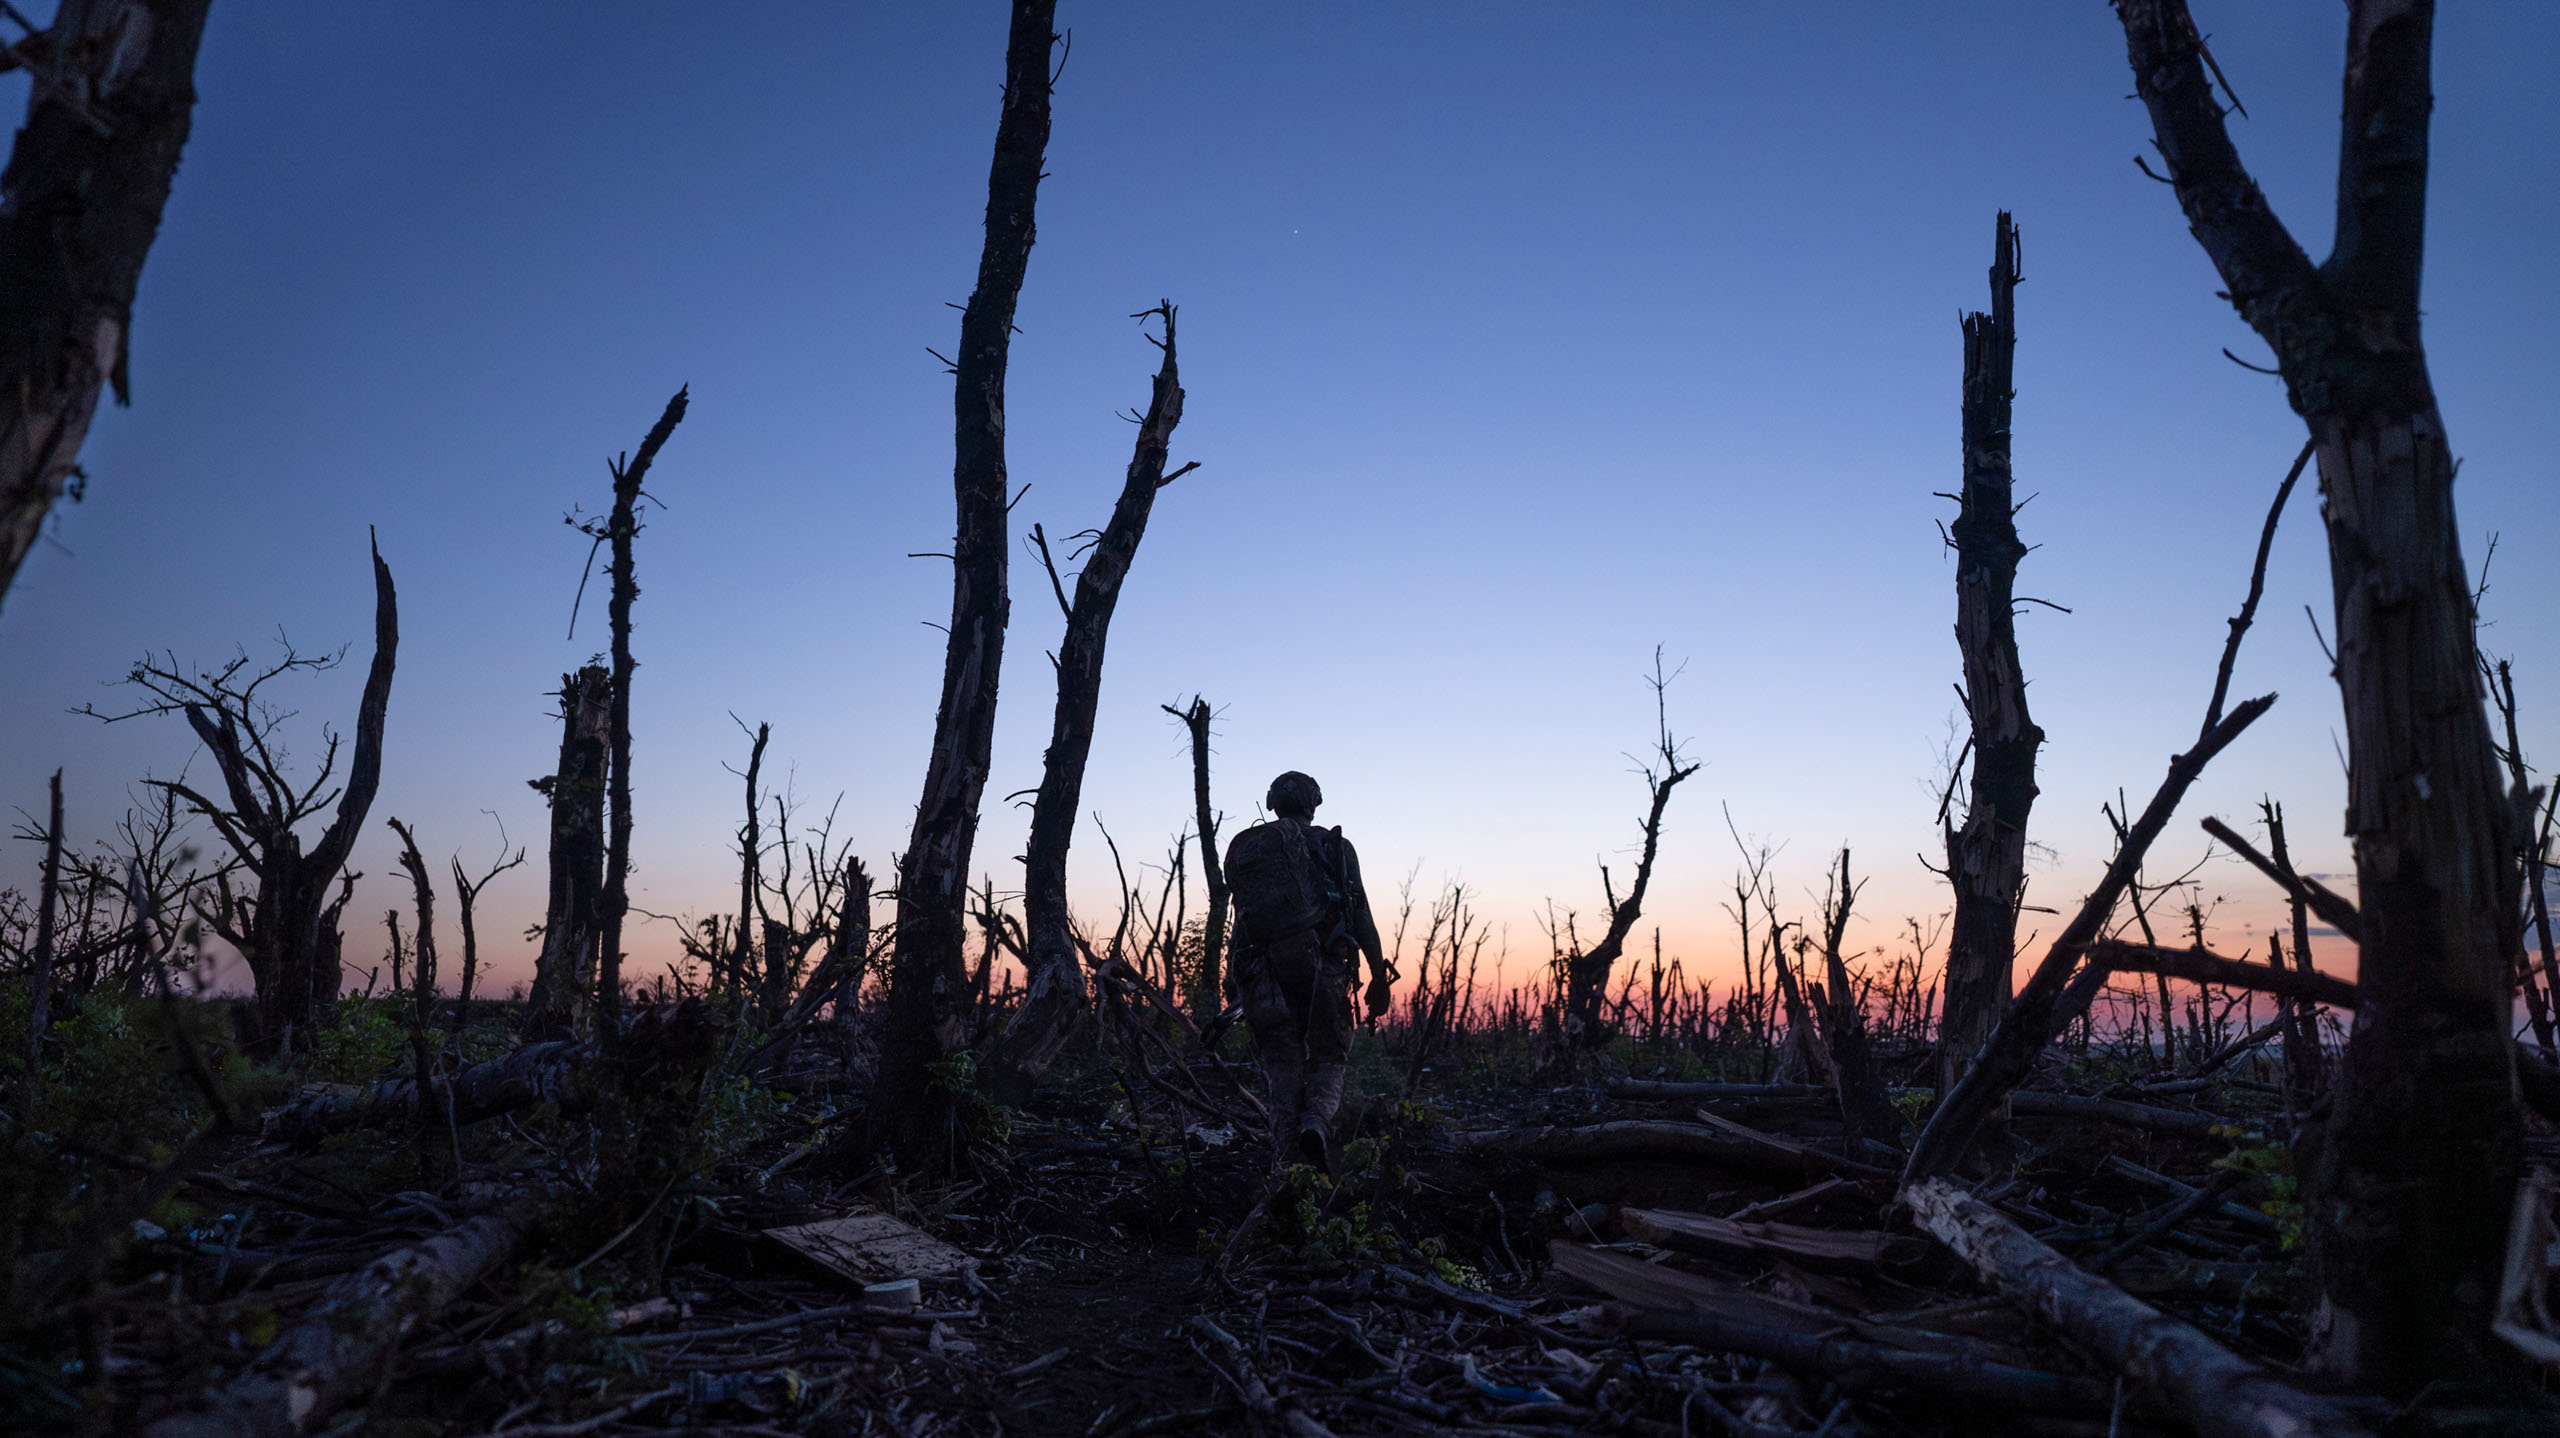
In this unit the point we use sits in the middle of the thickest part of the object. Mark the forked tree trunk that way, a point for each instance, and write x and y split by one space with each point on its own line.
290 940
1987 856
1053 990
565 971
928 981
2409 1198
79 206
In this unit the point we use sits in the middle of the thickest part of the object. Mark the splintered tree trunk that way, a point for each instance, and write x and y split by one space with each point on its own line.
2410 1195
1987 855
620 528
927 1011
291 943
79 206
1213 929
567 966
1053 993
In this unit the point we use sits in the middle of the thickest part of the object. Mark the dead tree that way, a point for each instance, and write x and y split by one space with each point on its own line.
1587 971
422 988
288 929
80 204
48 898
750 878
619 528
1987 853
2054 996
466 896
565 972
1865 1109
1213 931
1053 996
928 1013
2410 1196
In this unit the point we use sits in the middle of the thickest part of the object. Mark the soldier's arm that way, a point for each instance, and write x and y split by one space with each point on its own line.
1364 925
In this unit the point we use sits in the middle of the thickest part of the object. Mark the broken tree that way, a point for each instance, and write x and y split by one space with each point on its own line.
79 207
1987 853
1053 994
928 983
2409 1200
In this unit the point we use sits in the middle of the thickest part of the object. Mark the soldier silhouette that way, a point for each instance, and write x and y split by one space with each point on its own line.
1302 921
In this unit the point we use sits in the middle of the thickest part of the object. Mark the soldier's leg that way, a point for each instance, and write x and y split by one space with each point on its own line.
1277 1040
1328 1051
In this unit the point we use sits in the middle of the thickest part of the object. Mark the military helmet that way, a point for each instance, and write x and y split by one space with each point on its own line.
1293 793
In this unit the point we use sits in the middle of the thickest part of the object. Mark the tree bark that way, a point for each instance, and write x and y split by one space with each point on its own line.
80 205
927 1013
1987 855
565 972
2409 1194
1053 990
2223 1395
620 527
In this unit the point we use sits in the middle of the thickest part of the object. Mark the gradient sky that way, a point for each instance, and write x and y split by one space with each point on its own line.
1519 340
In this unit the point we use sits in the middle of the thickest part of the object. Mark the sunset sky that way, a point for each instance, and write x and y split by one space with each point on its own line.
1519 340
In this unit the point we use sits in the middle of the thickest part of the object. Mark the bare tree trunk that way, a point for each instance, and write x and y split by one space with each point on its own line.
1213 929
564 974
927 1017
742 943
620 527
48 899
466 893
80 204
2306 1070
2411 1193
1987 856
1053 988
422 993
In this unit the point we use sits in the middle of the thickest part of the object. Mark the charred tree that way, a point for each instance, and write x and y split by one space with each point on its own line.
80 204
565 972
742 952
1053 988
620 527
1213 929
2409 1198
287 930
1587 971
928 1013
1987 854
466 896
1866 1110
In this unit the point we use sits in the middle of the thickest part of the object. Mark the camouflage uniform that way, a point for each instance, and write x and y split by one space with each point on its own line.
1294 963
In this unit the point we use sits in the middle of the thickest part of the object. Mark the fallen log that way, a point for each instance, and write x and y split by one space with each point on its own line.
2199 966
1666 1089
1860 1367
2222 1394
340 1347
535 1074
1820 1248
2028 1103
1634 1139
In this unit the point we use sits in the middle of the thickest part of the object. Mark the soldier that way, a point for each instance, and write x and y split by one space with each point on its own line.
1302 920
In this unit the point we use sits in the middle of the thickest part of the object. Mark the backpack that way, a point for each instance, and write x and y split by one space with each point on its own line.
1282 889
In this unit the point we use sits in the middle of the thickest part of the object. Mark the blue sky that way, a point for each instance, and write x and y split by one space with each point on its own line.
1519 339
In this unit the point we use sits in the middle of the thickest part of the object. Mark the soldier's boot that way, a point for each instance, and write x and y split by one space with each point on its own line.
1316 1109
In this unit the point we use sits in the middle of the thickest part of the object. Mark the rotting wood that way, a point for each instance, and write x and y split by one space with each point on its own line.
2223 1395
338 1349
546 1072
1862 1367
